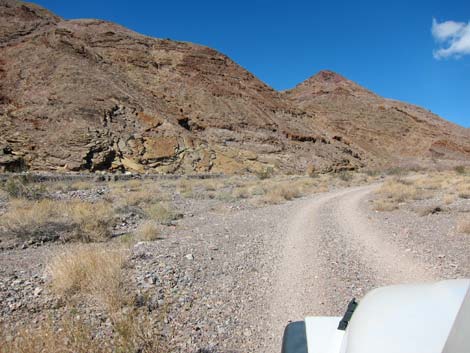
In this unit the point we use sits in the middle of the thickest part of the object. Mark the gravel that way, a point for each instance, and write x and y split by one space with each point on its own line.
229 275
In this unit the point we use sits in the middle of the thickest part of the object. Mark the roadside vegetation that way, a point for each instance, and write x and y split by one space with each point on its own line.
100 223
448 187
427 194
86 211
94 276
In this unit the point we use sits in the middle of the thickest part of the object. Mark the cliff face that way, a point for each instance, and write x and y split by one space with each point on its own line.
92 95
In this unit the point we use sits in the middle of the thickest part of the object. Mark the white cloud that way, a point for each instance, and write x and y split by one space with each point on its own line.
454 38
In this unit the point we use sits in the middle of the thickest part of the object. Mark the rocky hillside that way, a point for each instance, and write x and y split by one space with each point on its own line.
83 95
392 132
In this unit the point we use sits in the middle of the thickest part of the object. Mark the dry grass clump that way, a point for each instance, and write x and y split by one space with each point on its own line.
242 193
281 193
211 184
426 211
395 191
265 173
463 226
276 189
96 273
199 189
185 187
449 199
385 205
460 169
443 185
399 190
463 190
75 220
32 218
91 270
135 193
131 332
73 336
65 186
148 231
22 187
162 213
91 221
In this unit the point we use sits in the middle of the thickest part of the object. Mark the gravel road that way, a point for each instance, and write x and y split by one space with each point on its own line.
237 274
331 252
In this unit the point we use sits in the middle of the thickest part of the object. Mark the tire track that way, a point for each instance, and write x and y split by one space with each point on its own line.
330 253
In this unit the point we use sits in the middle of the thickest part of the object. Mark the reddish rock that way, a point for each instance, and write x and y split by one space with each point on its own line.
89 94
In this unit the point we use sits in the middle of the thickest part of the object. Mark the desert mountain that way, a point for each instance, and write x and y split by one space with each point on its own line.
391 131
92 95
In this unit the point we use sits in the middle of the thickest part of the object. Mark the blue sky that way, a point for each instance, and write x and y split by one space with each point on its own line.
386 46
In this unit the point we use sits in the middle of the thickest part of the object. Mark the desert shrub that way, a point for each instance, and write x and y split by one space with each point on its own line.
225 196
22 187
92 221
265 173
345 176
185 186
311 171
34 219
161 213
147 231
82 185
131 332
463 190
426 211
399 191
448 199
73 220
91 270
281 193
128 195
397 171
73 336
372 172
256 190
460 169
385 205
65 186
212 185
395 191
241 193
463 226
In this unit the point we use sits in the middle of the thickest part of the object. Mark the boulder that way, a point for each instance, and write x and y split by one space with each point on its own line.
160 148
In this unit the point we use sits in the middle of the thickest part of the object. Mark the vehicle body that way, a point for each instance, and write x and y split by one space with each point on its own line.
412 318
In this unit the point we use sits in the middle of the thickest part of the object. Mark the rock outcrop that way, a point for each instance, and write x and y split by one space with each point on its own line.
89 95
390 131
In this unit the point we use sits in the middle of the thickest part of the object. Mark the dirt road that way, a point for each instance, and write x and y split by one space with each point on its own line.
237 273
330 253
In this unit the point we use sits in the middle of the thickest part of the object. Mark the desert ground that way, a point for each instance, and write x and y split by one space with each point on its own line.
220 264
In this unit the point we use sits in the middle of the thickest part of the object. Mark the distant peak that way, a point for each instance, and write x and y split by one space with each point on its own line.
328 75
326 82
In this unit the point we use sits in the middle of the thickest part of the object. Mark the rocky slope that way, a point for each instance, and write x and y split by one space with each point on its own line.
391 131
82 95
91 95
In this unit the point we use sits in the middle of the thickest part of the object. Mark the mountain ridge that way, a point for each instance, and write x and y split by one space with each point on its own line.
90 95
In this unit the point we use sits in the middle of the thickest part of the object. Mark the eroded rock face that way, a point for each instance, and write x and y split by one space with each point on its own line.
389 130
92 95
